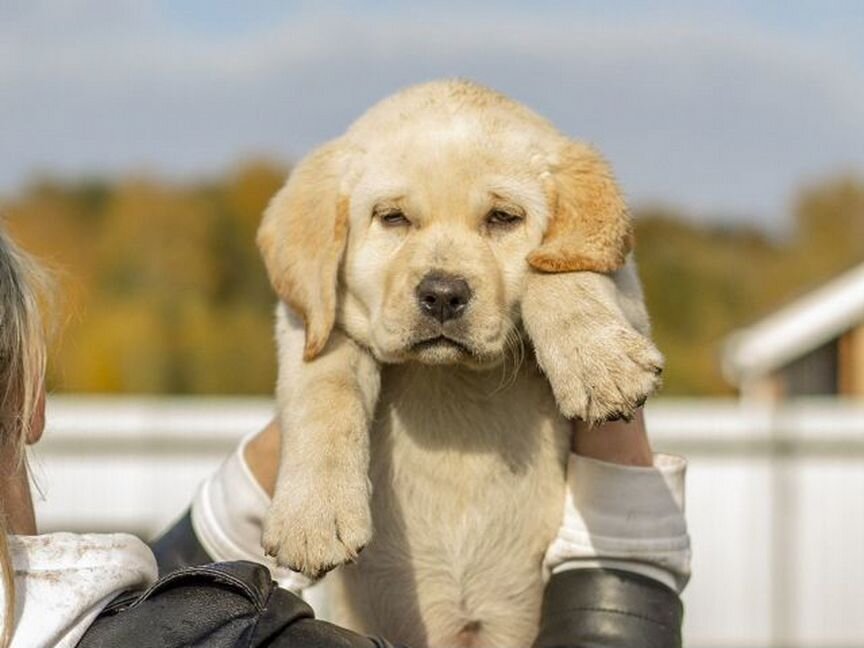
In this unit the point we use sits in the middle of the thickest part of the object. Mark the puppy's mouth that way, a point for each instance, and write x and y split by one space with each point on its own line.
440 342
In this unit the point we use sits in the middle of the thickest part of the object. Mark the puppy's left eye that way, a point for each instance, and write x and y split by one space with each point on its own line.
501 218
393 218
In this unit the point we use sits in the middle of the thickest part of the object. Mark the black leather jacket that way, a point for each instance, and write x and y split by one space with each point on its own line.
227 605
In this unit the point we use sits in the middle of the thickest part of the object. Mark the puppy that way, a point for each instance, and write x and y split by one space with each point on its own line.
416 257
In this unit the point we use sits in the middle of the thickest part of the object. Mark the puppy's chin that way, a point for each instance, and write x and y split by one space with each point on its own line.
445 351
440 351
425 342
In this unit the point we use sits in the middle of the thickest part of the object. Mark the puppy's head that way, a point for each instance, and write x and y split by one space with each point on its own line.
417 228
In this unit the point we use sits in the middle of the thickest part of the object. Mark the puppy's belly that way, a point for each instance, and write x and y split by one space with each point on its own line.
467 494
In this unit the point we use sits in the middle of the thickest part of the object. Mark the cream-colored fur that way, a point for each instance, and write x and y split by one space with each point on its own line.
453 423
590 334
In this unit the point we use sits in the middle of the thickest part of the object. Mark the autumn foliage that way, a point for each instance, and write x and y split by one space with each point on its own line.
161 289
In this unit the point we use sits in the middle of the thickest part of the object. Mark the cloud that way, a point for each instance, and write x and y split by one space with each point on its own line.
720 119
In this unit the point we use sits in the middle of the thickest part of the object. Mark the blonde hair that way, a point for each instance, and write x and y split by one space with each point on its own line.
23 287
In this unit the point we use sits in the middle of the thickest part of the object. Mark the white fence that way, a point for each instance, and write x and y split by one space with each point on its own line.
775 499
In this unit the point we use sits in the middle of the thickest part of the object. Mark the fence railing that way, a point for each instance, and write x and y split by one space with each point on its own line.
775 498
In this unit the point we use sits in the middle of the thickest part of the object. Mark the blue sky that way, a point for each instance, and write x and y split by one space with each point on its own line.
720 108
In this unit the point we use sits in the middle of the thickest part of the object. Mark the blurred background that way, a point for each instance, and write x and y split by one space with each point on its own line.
140 141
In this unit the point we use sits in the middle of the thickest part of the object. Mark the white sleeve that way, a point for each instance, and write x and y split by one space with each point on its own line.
624 517
228 515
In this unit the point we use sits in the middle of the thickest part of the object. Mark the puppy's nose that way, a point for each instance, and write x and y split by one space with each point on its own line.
443 296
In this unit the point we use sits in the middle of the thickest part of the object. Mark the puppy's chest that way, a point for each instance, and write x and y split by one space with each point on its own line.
468 480
467 435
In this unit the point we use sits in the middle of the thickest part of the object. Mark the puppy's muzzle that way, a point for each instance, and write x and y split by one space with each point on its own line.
442 296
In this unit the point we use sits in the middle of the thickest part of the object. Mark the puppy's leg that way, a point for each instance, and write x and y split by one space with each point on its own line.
590 335
320 514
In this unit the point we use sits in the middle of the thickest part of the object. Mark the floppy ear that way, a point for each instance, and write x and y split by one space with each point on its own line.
590 225
302 237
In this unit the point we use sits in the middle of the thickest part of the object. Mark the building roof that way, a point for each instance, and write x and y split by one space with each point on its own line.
796 329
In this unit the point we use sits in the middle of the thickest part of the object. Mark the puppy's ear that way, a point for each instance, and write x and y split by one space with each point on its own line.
302 238
590 226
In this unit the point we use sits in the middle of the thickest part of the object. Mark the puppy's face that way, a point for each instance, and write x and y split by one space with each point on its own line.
441 221
416 228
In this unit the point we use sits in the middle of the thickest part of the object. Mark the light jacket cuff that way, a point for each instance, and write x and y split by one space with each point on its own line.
624 517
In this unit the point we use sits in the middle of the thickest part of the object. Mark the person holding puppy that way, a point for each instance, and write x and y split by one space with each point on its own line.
614 570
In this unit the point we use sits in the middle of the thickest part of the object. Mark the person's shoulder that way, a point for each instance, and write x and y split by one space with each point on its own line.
65 580
220 605
80 551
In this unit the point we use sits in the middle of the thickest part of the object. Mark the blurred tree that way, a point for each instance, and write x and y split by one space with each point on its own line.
161 287
700 283
162 290
829 235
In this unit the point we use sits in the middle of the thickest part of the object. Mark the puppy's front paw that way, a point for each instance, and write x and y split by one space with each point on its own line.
312 531
601 374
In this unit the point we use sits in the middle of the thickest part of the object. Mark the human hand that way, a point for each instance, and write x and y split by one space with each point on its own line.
623 506
619 442
262 456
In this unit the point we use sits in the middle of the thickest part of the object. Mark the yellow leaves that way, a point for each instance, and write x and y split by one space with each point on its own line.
163 290
249 189
116 347
702 282
226 350
155 238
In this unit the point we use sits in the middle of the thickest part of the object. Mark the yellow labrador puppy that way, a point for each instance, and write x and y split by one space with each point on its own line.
412 256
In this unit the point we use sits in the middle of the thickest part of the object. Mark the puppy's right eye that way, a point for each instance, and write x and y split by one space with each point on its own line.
393 219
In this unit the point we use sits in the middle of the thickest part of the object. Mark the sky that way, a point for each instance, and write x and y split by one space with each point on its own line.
720 109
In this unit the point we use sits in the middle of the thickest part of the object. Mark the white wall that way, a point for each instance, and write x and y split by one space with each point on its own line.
775 499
